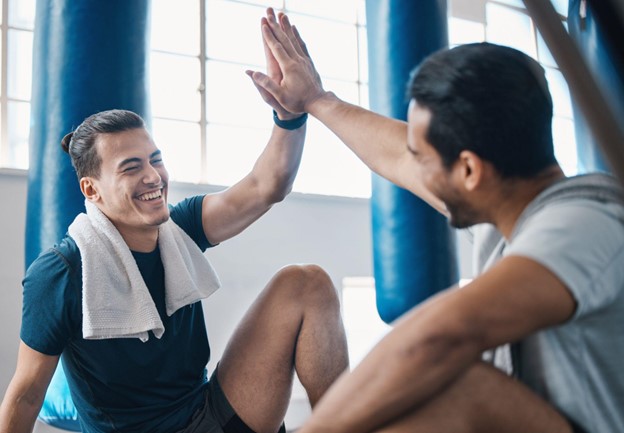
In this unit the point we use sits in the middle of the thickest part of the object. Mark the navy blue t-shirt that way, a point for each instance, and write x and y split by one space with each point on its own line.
120 384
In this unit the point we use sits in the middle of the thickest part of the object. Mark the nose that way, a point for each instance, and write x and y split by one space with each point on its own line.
152 176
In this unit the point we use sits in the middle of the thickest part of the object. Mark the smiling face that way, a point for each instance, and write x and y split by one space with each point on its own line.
445 183
131 189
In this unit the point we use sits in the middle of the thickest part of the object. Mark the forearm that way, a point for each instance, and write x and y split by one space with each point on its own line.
276 168
18 415
407 368
379 141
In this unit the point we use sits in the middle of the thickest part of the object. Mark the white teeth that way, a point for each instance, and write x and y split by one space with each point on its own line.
150 195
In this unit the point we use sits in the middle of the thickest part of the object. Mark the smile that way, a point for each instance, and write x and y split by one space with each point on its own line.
150 195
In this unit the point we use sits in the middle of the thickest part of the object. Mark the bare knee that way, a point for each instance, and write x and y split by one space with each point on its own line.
307 284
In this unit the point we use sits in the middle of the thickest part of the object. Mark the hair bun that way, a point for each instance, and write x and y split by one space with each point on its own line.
66 141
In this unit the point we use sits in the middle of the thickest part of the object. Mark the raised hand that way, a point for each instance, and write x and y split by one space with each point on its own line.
299 84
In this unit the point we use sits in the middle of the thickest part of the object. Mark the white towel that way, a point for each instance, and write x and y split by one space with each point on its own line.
115 300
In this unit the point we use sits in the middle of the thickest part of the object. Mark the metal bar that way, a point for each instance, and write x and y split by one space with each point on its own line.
599 115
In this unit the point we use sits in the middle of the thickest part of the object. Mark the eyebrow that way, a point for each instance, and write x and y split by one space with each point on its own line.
137 160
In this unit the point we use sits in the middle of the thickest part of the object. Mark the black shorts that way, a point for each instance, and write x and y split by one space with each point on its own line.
217 415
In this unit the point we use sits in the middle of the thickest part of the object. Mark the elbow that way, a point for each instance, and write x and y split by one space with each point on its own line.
443 346
276 192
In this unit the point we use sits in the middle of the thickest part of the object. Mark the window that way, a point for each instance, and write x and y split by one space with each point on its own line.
207 115
507 22
16 39
363 326
211 123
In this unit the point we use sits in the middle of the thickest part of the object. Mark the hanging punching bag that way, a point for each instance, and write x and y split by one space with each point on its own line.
602 59
414 249
88 56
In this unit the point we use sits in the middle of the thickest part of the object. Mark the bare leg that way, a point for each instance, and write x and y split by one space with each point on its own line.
483 400
294 325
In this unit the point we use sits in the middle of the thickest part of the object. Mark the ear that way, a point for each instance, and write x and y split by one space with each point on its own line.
88 188
471 169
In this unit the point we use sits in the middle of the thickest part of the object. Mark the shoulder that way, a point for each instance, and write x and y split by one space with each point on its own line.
582 242
64 254
187 214
59 264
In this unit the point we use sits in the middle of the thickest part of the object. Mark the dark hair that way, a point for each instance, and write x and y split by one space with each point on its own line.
80 144
491 100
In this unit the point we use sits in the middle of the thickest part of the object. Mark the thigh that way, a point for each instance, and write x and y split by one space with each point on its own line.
483 400
257 368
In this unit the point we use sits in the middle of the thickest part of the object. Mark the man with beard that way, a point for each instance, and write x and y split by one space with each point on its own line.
547 304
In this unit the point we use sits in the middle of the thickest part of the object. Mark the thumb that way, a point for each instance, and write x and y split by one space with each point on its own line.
266 96
263 81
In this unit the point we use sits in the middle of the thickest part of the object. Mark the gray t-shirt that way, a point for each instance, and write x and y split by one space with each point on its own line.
577 366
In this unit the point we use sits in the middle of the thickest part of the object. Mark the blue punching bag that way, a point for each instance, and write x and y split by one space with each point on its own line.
88 56
414 249
601 57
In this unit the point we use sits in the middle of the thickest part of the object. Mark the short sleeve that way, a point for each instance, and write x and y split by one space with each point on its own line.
187 214
51 303
583 245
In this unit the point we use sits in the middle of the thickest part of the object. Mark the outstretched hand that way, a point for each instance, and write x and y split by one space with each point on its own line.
292 81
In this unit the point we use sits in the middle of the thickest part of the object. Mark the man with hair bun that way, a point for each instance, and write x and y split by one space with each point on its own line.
119 298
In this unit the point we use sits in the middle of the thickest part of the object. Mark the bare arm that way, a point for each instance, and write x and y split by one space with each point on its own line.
228 213
380 142
24 396
435 343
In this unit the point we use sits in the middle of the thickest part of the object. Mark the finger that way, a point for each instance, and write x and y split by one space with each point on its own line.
266 96
288 29
273 68
275 46
279 34
300 41
264 84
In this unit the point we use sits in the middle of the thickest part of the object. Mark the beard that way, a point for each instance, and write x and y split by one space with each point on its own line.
461 213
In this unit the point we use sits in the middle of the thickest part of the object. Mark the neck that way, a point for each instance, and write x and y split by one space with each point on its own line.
515 196
140 241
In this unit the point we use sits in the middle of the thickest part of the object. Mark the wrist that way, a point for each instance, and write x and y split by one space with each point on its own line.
316 104
290 123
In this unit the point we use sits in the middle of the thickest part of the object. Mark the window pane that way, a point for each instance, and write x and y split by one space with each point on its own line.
561 6
19 120
565 145
344 89
22 13
516 3
506 26
1 56
276 4
364 100
361 12
240 43
329 167
333 46
465 32
562 105
363 326
174 86
544 55
363 54
343 10
175 26
232 152
180 143
19 64
247 107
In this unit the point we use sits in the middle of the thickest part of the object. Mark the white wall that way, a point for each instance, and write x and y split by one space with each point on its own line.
329 231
